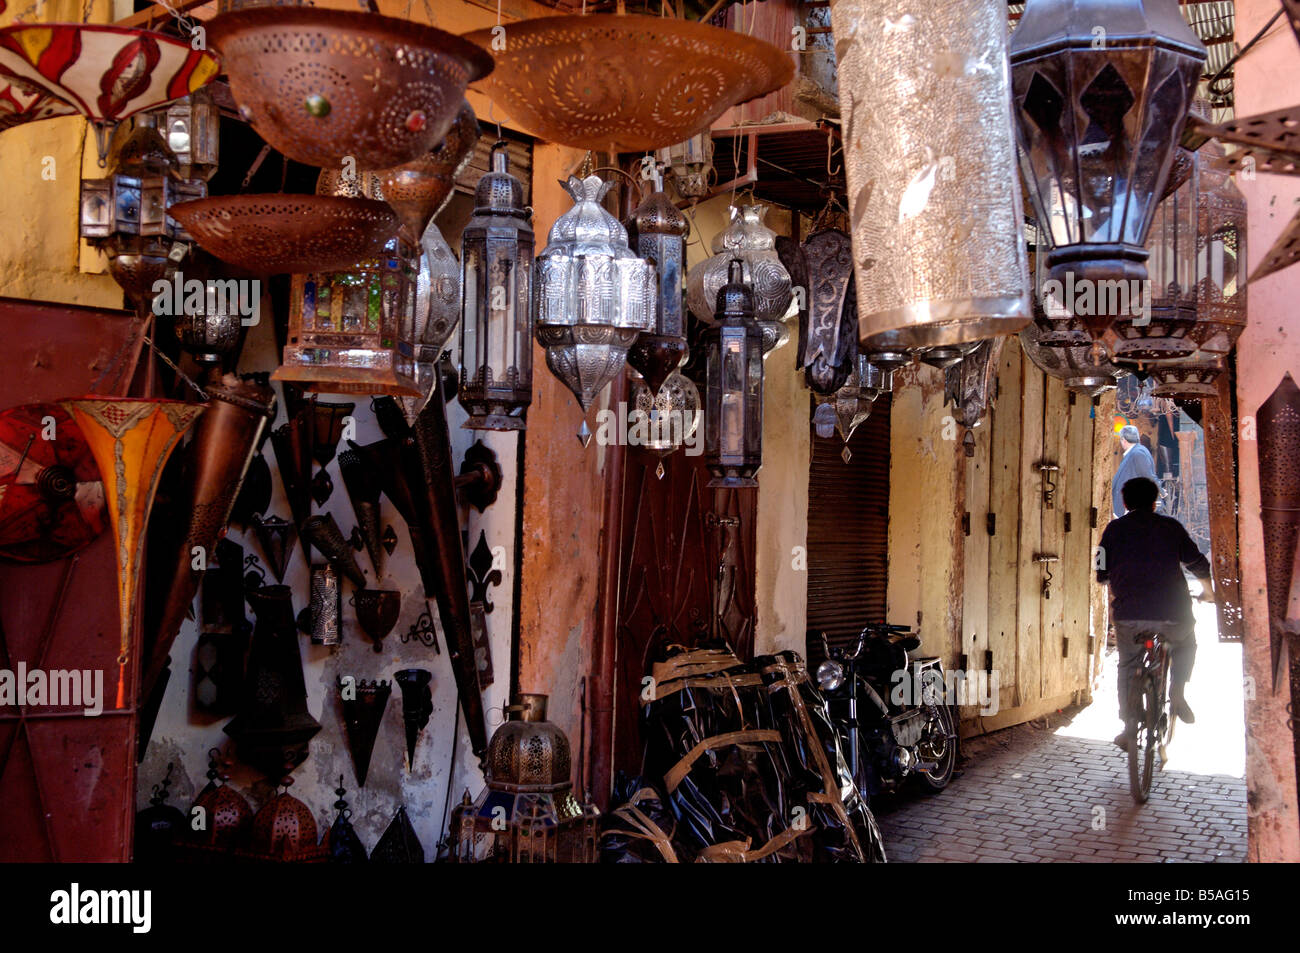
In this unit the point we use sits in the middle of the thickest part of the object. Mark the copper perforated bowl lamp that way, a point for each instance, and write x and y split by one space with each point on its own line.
626 83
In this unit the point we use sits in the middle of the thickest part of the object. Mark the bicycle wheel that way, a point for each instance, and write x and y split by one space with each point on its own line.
1142 753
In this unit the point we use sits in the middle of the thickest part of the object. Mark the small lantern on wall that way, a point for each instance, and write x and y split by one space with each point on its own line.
350 332
125 213
1098 123
690 163
496 340
527 813
733 412
850 405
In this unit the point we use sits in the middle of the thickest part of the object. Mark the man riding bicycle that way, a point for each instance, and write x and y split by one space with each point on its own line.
1141 558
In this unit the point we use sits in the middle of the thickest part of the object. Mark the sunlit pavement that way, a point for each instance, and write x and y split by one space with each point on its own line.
1059 791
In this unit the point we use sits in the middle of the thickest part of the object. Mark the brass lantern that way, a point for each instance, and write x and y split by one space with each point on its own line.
527 813
594 295
191 127
733 413
1100 93
657 233
125 213
1220 281
1160 330
350 332
496 340
690 163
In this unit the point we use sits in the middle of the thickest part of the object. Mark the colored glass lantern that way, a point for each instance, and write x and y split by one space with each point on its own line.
929 154
1097 124
496 331
352 331
594 295
733 412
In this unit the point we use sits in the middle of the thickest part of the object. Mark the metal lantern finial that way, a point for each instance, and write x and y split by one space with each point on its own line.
594 296
1097 123
733 415
496 348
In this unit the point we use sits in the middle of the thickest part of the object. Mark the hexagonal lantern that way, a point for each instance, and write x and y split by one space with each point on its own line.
733 399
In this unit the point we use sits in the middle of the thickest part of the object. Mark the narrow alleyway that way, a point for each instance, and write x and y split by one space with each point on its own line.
1057 790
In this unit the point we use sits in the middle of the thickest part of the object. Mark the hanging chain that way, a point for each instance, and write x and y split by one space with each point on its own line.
179 373
187 25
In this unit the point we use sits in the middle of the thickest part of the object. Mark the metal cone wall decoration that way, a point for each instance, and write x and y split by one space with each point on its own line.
292 442
362 486
364 704
417 706
276 537
323 532
399 845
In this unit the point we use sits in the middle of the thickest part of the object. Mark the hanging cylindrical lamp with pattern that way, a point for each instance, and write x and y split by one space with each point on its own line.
937 229
657 233
733 413
351 332
594 295
496 339
1101 89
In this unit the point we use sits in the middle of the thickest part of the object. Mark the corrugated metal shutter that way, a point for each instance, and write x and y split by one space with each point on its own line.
848 532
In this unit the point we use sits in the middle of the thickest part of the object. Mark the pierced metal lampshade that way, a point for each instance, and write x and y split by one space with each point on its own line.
850 405
1097 124
594 296
496 347
754 244
929 154
418 189
662 421
1060 348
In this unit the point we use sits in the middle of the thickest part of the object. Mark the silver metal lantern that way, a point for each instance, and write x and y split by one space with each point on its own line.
849 406
1101 89
496 340
937 228
594 296
754 245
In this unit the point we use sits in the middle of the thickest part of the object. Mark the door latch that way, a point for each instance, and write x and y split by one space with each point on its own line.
1049 486
1046 559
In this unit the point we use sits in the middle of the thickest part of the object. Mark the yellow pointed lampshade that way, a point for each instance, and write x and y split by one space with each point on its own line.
131 439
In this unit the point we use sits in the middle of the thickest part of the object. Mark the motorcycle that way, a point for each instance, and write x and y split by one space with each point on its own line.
890 711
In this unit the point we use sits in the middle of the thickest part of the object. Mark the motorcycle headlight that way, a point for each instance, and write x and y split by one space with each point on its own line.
830 675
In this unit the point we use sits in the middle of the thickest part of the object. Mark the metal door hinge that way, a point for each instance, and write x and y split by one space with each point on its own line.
965 524
991 522
1092 517
1067 522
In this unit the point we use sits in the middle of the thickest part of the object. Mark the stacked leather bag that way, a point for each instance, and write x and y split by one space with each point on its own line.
741 766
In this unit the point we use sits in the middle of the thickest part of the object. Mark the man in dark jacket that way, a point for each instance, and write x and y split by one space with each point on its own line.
1136 462
1141 558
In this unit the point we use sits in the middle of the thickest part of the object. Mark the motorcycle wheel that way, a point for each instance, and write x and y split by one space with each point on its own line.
945 718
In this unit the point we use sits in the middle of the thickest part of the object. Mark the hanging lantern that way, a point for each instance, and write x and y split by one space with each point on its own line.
662 421
1220 281
930 164
191 128
126 213
970 385
1059 348
690 163
594 296
421 187
1158 329
830 344
1097 123
733 418
496 347
851 404
657 233
437 308
527 813
350 332
754 244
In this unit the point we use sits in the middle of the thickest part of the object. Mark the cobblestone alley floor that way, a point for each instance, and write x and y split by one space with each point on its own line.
1057 789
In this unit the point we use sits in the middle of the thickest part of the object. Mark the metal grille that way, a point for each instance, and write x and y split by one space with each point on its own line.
848 532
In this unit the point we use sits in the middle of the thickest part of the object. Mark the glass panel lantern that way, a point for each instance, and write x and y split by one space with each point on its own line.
657 233
496 346
351 332
690 164
191 127
1158 330
1100 93
733 413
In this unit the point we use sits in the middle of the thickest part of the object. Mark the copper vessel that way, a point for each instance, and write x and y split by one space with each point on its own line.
322 85
281 234
418 189
626 83
218 456
131 440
